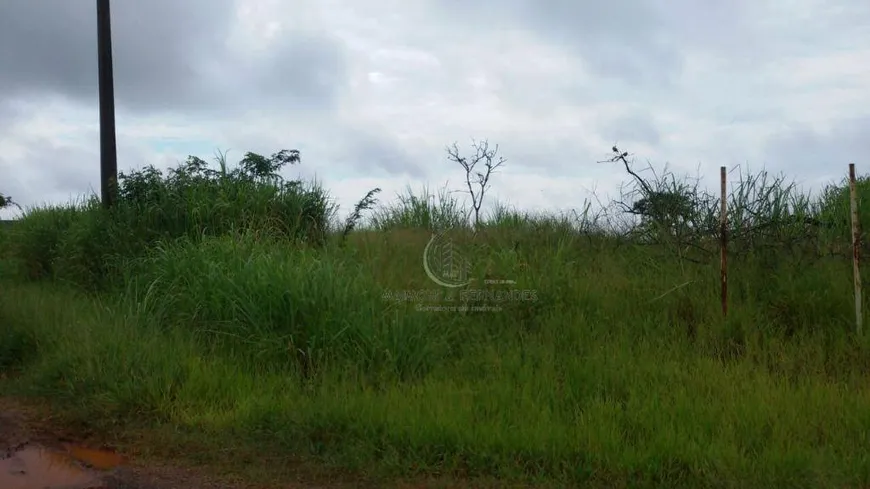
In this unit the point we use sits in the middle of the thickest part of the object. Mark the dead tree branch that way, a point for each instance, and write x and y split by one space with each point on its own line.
476 179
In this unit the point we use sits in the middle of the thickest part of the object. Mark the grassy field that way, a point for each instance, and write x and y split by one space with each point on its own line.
231 305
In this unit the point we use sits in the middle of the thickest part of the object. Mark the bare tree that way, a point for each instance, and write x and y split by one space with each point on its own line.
476 179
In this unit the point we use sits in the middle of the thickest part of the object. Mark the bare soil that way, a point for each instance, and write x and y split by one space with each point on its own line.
40 451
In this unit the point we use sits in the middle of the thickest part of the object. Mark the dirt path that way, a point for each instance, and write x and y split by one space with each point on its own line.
39 452
31 457
35 455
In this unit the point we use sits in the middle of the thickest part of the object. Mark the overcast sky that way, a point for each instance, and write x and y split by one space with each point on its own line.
371 91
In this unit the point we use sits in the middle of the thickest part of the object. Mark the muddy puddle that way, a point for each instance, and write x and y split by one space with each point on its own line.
66 467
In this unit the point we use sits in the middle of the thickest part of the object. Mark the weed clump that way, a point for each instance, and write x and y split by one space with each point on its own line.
88 246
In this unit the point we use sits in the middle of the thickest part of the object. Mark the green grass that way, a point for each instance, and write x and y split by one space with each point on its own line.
232 320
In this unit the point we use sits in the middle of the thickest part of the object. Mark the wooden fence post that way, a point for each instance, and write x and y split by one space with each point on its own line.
856 248
723 243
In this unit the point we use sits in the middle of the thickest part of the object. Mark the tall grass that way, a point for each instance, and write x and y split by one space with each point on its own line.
87 245
436 212
223 303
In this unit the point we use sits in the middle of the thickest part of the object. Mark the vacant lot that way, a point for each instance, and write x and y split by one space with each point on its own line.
228 309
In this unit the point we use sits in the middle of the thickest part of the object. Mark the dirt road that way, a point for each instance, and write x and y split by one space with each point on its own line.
39 452
32 458
35 456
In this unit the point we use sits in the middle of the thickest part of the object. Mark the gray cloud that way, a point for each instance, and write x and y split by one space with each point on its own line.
338 149
373 93
168 56
67 180
9 113
302 72
380 153
803 150
633 127
59 171
48 46
635 41
156 47
547 155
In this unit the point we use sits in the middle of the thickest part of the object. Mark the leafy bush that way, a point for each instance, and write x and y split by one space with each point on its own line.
86 244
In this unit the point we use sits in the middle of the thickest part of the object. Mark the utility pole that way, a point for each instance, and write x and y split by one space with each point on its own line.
108 148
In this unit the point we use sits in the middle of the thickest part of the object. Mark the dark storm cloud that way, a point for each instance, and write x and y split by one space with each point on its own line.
47 46
168 55
803 150
52 45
